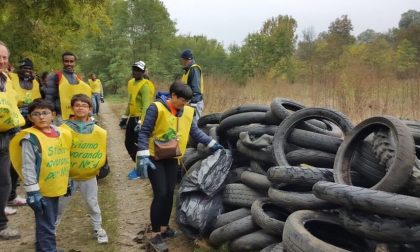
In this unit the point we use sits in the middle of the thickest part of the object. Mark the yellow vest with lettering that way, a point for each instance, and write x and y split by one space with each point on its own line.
95 85
67 91
184 78
10 116
133 89
87 153
53 174
165 121
25 96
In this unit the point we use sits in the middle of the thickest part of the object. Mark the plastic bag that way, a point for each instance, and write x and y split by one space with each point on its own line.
209 177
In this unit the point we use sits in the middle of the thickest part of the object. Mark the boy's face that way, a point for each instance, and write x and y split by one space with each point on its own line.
41 118
81 110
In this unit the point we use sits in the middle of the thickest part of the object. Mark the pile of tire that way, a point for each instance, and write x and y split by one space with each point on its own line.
305 179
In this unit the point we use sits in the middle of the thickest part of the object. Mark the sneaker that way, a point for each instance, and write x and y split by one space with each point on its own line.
101 236
169 233
10 210
133 175
9 234
18 201
158 244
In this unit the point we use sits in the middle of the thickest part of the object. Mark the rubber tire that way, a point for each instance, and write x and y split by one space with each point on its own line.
252 129
213 118
414 127
380 228
243 109
301 235
231 216
316 141
238 120
273 222
253 241
373 201
287 126
232 231
310 157
299 175
259 155
255 180
297 200
398 171
240 195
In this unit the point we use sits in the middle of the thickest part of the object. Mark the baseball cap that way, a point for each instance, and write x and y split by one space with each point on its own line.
140 64
26 63
187 54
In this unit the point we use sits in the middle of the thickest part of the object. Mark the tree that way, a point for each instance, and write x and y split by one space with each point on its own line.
406 59
368 36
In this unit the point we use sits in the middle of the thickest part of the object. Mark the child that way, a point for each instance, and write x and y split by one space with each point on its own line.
87 155
41 156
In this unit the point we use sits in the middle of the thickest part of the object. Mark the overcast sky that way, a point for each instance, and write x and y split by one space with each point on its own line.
230 21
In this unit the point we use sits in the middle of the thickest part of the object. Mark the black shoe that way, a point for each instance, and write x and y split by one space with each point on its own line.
158 244
169 233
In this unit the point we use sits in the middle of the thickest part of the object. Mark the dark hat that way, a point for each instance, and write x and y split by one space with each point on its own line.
140 64
187 54
26 63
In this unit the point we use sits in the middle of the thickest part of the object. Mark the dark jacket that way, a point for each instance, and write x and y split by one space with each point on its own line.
194 81
51 88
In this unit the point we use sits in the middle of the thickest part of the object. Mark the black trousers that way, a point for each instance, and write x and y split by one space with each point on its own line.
131 137
163 181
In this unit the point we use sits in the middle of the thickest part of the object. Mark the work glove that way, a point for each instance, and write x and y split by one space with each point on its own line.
35 200
214 146
138 127
123 122
102 99
143 163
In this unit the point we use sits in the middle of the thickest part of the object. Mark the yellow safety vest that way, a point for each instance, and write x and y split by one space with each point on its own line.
133 89
87 153
67 91
53 174
10 116
95 85
25 96
165 121
184 78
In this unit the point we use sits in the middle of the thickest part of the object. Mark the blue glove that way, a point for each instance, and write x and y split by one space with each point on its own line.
216 147
35 200
143 163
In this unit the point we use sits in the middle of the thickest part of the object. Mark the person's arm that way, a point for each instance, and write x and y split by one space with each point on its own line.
197 134
51 88
102 89
30 176
143 100
146 130
195 84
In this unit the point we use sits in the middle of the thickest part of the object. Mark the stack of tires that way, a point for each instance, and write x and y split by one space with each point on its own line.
292 169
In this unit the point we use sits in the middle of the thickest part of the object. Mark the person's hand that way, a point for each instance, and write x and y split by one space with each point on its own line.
123 122
138 127
143 163
216 147
102 99
35 200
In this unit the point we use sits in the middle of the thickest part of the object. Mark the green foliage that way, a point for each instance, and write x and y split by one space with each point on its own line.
406 62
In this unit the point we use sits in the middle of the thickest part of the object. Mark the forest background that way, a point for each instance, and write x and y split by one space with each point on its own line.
361 75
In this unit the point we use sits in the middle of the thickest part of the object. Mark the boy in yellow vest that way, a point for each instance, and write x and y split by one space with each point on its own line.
41 157
87 155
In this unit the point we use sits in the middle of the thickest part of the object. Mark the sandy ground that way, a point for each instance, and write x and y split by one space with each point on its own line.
133 199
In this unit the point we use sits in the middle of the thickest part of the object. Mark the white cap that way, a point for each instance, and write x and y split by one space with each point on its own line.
140 64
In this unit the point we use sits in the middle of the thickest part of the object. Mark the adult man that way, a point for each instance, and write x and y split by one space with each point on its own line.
193 77
97 92
10 120
63 85
141 92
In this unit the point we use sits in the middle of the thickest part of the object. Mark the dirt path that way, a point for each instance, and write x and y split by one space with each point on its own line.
124 204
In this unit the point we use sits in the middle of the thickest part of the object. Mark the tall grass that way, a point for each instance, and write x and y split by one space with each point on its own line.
358 98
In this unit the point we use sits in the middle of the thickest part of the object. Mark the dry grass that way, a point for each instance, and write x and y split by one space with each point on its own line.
358 98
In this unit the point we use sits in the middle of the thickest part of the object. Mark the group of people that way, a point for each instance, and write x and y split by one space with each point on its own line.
49 139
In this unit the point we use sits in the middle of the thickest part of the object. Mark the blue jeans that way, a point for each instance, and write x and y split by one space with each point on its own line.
45 226
96 100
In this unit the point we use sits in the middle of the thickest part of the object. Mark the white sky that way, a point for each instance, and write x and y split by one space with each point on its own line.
230 21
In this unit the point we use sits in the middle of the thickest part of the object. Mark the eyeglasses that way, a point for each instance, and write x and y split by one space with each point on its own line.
81 106
38 114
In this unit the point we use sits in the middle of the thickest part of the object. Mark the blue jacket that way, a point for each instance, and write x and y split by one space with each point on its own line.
149 125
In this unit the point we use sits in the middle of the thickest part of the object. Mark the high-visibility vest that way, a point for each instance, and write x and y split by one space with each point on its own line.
133 89
184 78
95 85
10 116
67 91
25 96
